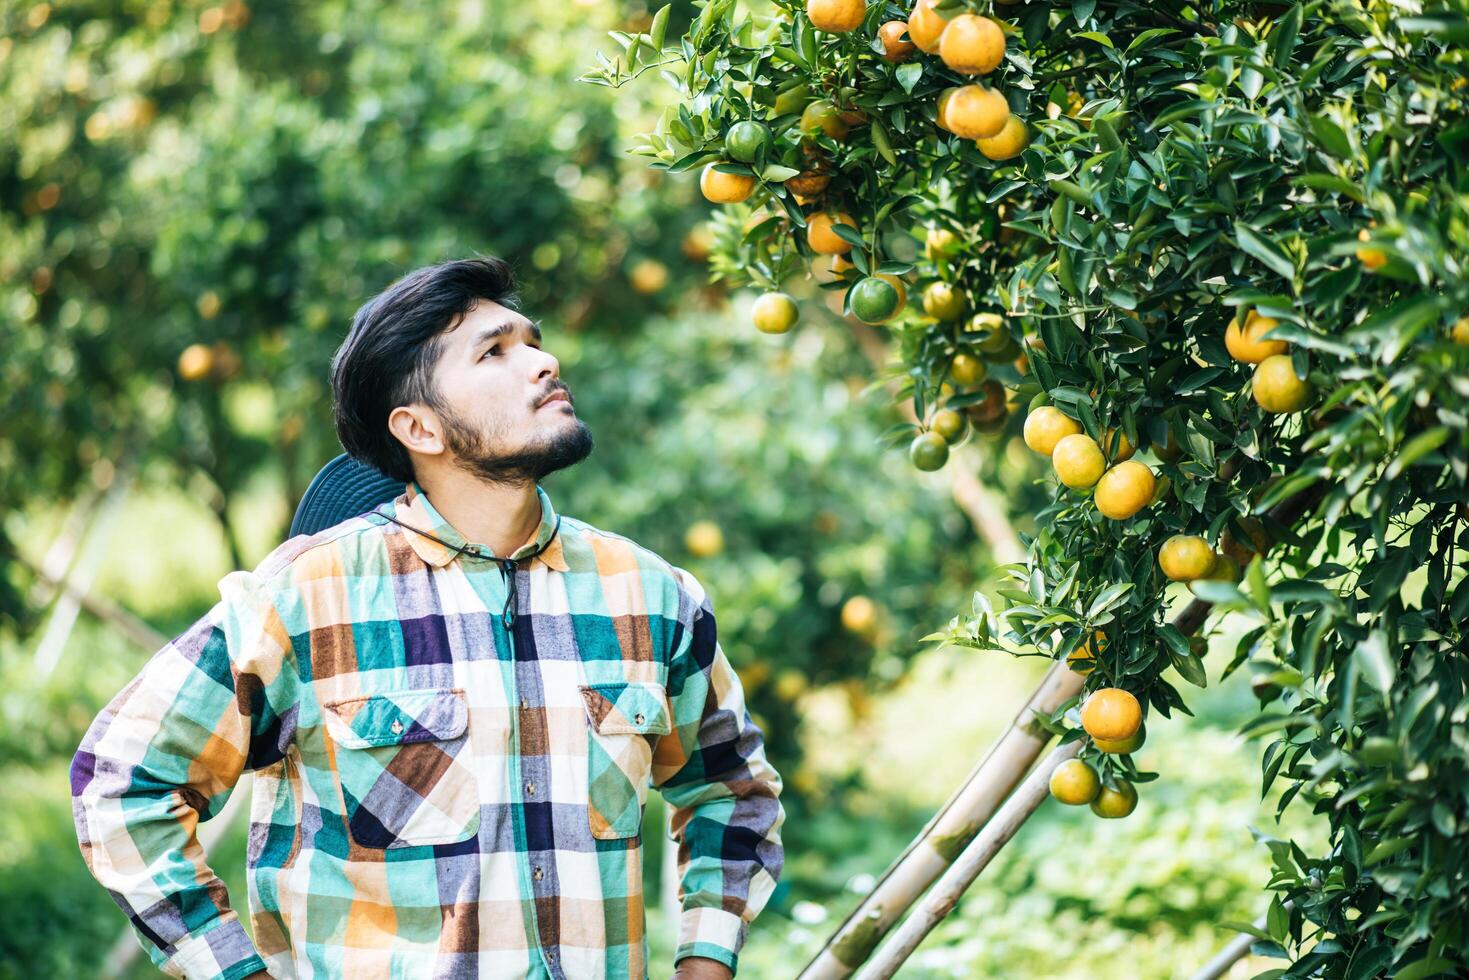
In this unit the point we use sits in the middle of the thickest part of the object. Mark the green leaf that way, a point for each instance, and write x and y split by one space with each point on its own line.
1286 32
1191 669
881 144
775 173
1331 137
1265 250
1151 34
1375 662
1417 447
909 74
848 234
660 26
1097 36
1453 28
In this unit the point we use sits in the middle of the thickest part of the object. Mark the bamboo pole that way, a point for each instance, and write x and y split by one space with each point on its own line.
1233 952
77 581
913 871
940 901
948 832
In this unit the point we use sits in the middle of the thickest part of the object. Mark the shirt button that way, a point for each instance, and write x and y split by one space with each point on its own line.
638 718
530 788
538 874
523 703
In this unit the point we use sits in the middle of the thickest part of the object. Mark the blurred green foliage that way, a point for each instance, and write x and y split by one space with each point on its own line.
190 174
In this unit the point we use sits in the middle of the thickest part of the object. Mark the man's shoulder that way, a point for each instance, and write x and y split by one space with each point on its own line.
593 548
339 547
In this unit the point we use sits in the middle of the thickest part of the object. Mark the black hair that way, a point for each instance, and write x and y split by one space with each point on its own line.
389 355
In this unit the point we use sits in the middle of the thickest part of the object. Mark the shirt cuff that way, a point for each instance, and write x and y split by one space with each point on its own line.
224 952
710 932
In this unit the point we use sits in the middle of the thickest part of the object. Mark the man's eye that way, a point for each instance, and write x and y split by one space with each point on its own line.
492 350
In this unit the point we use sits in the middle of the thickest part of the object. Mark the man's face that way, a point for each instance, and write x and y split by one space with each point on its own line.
493 380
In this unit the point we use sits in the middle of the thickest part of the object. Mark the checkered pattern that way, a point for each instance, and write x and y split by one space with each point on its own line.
434 797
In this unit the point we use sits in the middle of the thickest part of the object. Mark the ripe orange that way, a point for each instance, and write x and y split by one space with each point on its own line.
940 243
967 369
723 188
989 413
1125 449
976 112
1084 658
894 48
942 301
949 424
1111 713
941 118
972 45
1075 783
1225 570
1009 142
808 183
1460 332
775 312
1169 451
1046 426
1124 490
1115 804
925 26
859 614
1121 746
1245 345
704 539
1277 388
836 16
821 238
1185 557
1078 460
823 117
1371 257
195 362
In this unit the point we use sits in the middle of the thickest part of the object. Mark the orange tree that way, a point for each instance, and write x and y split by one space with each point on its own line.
1211 258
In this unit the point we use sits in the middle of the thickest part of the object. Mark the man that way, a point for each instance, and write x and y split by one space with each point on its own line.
453 704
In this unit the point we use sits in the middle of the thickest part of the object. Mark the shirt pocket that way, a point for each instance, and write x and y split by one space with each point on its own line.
403 765
623 722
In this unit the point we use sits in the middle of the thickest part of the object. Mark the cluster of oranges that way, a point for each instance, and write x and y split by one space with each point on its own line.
968 44
1276 386
1123 485
1113 720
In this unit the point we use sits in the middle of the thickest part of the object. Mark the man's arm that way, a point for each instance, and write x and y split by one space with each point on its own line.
726 797
164 754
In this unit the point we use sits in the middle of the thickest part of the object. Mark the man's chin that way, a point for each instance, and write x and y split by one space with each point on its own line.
569 445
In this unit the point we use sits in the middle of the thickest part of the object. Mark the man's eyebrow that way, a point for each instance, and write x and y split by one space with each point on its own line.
501 329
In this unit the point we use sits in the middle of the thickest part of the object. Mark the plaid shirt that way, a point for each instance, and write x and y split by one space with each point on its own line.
452 753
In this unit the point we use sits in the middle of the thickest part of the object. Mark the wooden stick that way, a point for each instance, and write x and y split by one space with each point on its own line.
939 902
947 833
1229 955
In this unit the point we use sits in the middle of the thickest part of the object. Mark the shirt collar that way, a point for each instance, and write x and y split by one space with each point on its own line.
412 508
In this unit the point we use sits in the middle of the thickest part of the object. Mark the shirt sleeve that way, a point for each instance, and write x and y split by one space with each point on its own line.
164 754
712 770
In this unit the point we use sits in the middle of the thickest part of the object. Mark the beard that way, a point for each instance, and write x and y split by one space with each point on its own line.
474 451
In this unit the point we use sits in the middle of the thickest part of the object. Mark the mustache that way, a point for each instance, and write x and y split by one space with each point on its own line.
553 390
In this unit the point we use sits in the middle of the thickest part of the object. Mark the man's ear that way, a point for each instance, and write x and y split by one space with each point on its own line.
418 428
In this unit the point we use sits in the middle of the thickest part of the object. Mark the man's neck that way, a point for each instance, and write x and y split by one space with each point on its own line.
501 517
